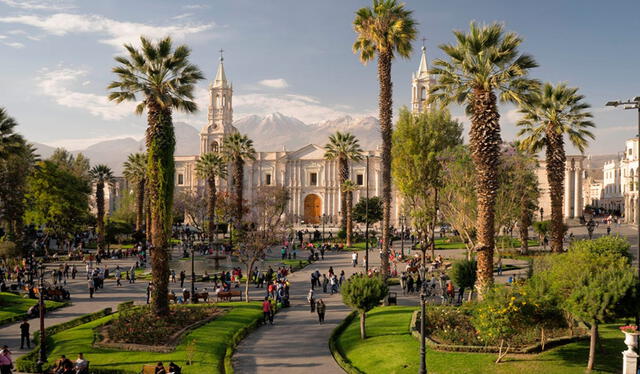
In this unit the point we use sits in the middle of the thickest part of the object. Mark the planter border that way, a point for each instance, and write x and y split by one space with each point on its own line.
337 354
529 349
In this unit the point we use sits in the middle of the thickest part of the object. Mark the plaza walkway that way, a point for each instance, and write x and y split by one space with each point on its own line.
297 343
110 296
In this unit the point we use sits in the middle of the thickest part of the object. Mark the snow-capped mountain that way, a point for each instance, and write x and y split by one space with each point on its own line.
272 132
269 133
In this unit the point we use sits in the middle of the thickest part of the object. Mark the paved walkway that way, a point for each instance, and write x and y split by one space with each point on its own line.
297 343
110 296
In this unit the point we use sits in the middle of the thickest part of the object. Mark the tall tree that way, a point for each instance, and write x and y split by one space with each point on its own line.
10 142
347 189
552 113
209 167
102 176
343 147
419 144
237 149
164 80
58 199
385 29
16 162
78 165
135 171
484 61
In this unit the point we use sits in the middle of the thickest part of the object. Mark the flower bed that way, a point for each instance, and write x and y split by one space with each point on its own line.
451 329
140 326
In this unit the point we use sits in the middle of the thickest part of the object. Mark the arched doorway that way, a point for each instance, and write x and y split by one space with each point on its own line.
312 209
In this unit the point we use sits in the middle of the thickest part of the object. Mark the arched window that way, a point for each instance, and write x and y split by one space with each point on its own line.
423 93
214 147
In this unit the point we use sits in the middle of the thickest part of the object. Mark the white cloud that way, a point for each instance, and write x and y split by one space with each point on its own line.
274 83
58 85
117 32
512 116
196 6
39 4
14 44
3 36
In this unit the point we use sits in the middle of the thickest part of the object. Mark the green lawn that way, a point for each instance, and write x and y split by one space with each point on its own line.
14 307
211 339
391 348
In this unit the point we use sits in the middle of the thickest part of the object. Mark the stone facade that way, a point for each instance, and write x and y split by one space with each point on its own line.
313 181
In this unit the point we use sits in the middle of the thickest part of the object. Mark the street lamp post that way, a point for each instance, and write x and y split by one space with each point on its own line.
194 299
323 218
402 223
43 339
423 301
541 213
634 104
366 224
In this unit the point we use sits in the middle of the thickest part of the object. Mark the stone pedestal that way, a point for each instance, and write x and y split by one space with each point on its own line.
630 357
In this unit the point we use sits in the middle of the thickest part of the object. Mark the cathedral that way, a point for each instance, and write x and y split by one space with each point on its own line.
312 181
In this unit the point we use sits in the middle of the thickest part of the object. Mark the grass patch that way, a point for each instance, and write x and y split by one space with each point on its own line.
211 340
390 348
14 308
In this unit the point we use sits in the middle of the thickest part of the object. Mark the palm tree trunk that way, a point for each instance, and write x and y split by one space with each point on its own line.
485 143
238 174
343 166
140 204
100 213
349 206
161 170
523 226
556 160
147 212
385 102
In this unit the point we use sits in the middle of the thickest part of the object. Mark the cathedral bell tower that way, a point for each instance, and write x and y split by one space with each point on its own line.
420 85
220 113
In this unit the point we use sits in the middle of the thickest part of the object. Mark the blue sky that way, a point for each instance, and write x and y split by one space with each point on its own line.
291 56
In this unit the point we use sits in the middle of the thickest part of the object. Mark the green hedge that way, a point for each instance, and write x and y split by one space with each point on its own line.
29 362
344 363
125 306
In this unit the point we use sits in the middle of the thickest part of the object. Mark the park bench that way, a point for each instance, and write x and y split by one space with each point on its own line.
202 295
226 296
151 369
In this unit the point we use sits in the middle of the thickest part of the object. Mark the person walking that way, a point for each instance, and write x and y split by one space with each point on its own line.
354 259
6 364
321 309
92 288
149 288
266 311
183 276
325 283
311 300
118 273
24 334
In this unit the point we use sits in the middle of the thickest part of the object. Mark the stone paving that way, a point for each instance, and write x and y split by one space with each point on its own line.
296 343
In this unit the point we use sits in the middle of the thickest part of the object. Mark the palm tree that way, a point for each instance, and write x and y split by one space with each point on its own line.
344 147
385 29
552 113
101 175
237 149
484 62
10 142
347 188
135 171
164 80
209 167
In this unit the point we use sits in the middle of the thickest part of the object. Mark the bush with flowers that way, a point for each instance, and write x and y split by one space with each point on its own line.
140 326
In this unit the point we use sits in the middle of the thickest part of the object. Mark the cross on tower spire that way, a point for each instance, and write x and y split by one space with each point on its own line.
221 56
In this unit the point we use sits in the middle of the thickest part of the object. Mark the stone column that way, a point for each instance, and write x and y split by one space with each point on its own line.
577 200
567 192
